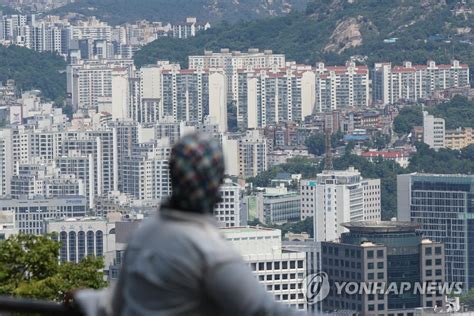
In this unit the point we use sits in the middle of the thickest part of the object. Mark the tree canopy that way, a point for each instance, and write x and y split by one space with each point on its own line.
33 70
306 37
29 267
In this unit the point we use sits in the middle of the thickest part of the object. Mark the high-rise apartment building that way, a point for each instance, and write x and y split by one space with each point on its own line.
385 253
281 272
100 83
336 197
442 205
340 87
146 172
433 131
230 211
268 96
393 84
186 95
253 157
46 181
6 161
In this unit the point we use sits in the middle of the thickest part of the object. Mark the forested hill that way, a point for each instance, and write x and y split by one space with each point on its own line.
120 11
333 30
33 70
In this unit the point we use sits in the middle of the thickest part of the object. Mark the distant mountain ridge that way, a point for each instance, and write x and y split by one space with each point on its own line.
175 11
333 30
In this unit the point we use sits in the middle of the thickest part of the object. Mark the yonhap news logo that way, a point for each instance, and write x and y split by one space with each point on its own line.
316 287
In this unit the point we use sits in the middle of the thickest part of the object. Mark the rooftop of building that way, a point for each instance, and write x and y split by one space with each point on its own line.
381 226
246 229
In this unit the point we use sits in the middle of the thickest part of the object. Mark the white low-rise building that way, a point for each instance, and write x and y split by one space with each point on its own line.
281 272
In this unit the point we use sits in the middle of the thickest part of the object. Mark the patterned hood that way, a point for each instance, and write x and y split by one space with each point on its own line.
197 170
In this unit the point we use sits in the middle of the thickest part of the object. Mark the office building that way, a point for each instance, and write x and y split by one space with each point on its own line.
442 204
281 272
82 237
382 253
281 206
336 197
30 214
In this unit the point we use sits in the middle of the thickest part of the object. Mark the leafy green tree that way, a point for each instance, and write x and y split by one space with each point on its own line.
316 144
458 112
407 119
33 70
29 267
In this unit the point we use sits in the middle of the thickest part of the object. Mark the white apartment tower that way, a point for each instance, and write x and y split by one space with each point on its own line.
433 131
253 157
272 95
340 87
230 210
233 61
6 161
392 84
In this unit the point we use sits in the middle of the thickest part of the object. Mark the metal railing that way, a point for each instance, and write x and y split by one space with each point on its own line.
38 307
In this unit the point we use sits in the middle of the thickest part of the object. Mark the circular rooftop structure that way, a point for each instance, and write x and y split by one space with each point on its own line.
381 226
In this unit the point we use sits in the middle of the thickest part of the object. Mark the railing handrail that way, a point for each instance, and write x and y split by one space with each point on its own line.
22 305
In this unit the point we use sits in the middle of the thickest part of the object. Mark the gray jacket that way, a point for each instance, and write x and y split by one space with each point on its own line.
178 264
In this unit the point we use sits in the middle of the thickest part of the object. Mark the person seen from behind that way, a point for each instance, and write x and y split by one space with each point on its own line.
177 263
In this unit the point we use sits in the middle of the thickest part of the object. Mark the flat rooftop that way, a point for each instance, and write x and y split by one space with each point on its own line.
381 226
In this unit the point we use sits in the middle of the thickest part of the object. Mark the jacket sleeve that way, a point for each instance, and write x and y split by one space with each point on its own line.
233 287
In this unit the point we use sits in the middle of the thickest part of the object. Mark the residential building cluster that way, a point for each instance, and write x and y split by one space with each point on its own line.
89 38
93 177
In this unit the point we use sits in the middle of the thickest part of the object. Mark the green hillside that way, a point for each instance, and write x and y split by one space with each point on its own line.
120 11
33 70
334 30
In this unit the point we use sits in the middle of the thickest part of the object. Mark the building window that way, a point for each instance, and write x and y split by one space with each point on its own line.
428 251
438 250
72 246
370 265
380 265
379 253
370 254
63 251
90 243
81 244
99 243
